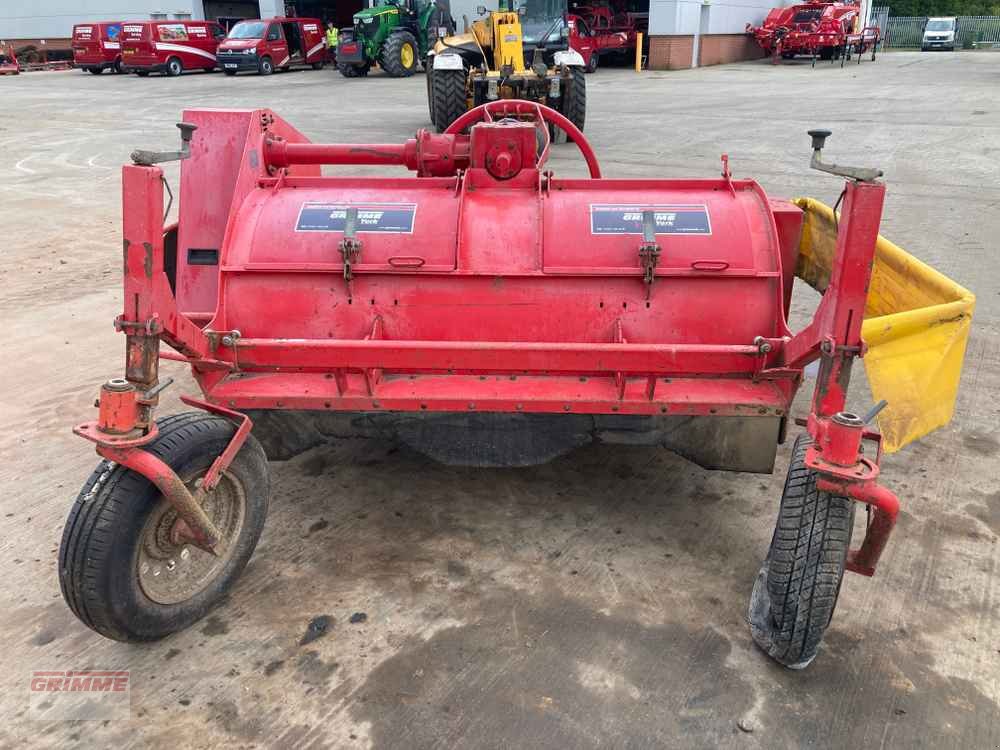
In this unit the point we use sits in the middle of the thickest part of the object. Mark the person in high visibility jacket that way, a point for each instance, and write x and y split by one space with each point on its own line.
331 40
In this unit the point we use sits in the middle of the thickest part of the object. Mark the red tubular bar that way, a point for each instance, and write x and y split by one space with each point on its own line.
177 494
280 153
885 509
496 356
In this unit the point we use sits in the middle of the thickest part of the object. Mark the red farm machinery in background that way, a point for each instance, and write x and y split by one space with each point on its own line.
604 30
823 30
487 313
8 60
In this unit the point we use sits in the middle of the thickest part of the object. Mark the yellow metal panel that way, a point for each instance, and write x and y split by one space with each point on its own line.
916 327
508 43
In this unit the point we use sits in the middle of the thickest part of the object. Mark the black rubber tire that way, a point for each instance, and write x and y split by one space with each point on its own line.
391 58
593 63
796 591
448 93
318 65
95 71
97 558
430 97
574 104
229 73
349 70
174 67
142 73
265 67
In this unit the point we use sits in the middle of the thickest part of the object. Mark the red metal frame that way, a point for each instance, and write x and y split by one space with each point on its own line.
549 343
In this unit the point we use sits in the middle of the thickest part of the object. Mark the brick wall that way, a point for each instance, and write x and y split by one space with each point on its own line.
674 52
670 52
717 49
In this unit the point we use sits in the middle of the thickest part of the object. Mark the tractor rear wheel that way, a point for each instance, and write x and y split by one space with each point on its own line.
796 590
448 94
349 70
399 55
123 572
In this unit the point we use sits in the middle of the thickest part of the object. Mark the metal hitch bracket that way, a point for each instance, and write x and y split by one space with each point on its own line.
146 158
649 251
861 174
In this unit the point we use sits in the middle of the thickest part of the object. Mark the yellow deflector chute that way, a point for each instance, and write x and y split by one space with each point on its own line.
916 326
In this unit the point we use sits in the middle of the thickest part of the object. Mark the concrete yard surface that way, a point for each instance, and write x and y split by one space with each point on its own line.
598 601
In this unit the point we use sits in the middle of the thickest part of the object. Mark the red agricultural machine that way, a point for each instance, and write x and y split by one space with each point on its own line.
8 60
602 31
824 30
488 313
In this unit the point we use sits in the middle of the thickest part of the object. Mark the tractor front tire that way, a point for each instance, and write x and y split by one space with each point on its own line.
122 572
349 70
448 94
399 55
574 105
796 590
430 94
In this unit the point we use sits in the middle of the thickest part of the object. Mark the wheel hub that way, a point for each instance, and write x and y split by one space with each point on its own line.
170 568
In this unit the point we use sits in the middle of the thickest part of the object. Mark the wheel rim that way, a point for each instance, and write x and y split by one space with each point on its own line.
170 572
406 55
175 67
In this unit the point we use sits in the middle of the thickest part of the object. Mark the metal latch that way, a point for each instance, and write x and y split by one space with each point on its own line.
148 158
862 174
350 246
649 251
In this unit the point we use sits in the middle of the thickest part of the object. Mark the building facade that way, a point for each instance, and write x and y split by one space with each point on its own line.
682 33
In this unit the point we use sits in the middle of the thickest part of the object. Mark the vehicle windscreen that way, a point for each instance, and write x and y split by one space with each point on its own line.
805 16
248 30
543 17
939 26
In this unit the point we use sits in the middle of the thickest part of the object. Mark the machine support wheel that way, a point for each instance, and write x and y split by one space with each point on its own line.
448 94
399 55
174 67
265 67
123 570
796 590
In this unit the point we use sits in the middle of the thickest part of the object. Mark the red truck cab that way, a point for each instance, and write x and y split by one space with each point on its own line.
264 46
598 35
169 47
97 46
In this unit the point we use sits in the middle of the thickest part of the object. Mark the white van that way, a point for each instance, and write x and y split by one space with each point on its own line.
939 33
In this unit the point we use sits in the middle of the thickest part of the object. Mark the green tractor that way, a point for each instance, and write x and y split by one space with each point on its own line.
396 34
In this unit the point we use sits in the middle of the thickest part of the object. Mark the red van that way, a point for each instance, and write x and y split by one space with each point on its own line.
273 44
169 47
97 46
